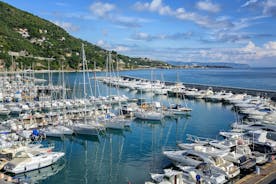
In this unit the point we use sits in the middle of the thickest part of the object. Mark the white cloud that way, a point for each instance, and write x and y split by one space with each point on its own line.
148 37
105 11
155 5
100 43
270 45
249 3
251 54
182 14
67 26
121 48
115 47
101 9
207 5
268 7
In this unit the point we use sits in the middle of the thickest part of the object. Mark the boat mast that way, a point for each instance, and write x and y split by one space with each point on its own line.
84 81
95 85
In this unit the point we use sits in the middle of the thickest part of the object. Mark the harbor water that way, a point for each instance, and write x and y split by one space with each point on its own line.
129 156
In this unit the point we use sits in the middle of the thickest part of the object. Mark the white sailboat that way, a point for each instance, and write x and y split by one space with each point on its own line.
82 126
57 131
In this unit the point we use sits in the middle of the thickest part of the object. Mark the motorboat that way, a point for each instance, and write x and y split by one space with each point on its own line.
25 161
260 142
4 111
251 126
9 153
204 173
178 109
169 176
239 152
194 158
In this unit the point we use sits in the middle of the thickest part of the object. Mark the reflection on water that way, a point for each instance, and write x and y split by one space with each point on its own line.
130 155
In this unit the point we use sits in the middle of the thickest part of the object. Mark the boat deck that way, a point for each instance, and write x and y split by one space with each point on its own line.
267 175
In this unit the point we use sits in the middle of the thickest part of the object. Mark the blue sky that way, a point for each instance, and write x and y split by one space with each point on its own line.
239 31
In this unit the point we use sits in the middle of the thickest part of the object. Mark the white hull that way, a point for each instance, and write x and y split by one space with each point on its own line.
4 112
85 129
35 163
155 116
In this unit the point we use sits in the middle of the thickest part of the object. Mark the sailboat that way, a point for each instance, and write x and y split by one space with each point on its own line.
109 119
82 126
152 111
178 109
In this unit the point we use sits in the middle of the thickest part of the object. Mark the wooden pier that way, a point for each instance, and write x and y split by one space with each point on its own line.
267 175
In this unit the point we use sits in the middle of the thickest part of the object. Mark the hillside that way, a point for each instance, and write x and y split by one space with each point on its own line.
31 41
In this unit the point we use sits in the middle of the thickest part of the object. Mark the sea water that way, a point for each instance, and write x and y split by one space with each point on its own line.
255 78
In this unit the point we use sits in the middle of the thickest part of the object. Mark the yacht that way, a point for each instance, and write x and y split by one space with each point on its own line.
239 152
260 142
203 172
170 176
178 109
251 126
25 161
4 111
194 158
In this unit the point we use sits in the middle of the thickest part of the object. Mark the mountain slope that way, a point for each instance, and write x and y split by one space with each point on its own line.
33 41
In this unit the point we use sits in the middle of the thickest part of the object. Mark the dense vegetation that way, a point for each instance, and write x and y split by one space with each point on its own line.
32 39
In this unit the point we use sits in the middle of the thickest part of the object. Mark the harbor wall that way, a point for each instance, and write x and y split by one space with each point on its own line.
255 92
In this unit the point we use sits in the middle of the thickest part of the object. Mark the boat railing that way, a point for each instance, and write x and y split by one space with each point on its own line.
197 139
169 148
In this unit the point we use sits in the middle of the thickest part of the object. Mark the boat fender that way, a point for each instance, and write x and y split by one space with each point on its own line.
35 132
240 142
197 178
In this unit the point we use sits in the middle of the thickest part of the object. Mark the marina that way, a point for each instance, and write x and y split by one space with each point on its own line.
137 92
127 125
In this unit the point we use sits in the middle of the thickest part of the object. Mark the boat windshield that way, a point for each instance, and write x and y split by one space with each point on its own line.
21 154
194 157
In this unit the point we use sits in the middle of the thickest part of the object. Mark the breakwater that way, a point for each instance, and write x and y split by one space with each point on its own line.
255 92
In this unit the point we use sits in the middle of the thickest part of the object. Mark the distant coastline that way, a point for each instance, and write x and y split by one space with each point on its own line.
127 69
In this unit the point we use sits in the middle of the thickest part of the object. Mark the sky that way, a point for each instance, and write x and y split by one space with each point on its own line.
236 31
